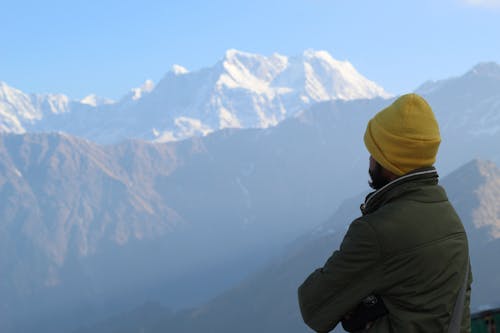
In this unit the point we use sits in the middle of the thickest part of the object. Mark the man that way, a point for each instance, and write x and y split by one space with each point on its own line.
408 252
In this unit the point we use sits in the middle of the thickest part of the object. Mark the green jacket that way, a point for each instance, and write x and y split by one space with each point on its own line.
410 248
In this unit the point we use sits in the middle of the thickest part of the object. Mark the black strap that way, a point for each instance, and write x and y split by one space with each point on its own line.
458 309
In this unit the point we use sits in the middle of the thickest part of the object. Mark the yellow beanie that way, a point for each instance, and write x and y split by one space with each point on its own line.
404 136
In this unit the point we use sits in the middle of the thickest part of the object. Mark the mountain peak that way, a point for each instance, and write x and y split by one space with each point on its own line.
477 78
318 54
232 53
5 89
325 57
489 69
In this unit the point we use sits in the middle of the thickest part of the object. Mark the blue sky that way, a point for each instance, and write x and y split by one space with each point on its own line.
108 47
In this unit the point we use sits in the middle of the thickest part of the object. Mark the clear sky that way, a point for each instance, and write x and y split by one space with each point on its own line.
107 47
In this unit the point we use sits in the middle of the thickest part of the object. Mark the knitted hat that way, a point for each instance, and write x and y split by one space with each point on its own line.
404 136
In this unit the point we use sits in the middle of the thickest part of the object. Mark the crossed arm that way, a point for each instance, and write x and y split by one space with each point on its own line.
347 277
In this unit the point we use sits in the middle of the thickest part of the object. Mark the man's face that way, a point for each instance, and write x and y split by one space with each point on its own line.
377 177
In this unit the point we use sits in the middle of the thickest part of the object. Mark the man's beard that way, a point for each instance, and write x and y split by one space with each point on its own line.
377 178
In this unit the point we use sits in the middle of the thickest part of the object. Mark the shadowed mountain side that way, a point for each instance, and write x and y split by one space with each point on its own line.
267 301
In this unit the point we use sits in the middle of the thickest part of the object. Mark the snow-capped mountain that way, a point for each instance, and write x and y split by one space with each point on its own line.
248 90
18 108
242 90
20 112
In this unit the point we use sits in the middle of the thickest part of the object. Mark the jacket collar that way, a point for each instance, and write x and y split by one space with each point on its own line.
377 198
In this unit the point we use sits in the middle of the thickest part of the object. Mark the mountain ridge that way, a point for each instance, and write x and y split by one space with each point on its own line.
243 90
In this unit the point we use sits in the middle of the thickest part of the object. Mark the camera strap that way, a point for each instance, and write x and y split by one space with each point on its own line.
458 309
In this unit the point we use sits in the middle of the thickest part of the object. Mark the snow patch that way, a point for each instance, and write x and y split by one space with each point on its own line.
94 100
146 88
179 70
189 127
228 119
162 137
18 173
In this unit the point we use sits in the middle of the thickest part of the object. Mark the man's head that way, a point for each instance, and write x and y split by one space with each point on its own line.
403 137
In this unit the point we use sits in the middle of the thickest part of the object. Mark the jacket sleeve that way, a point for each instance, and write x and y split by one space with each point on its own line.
347 277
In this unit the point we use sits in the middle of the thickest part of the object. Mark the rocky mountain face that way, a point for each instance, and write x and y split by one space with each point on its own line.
243 90
267 301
